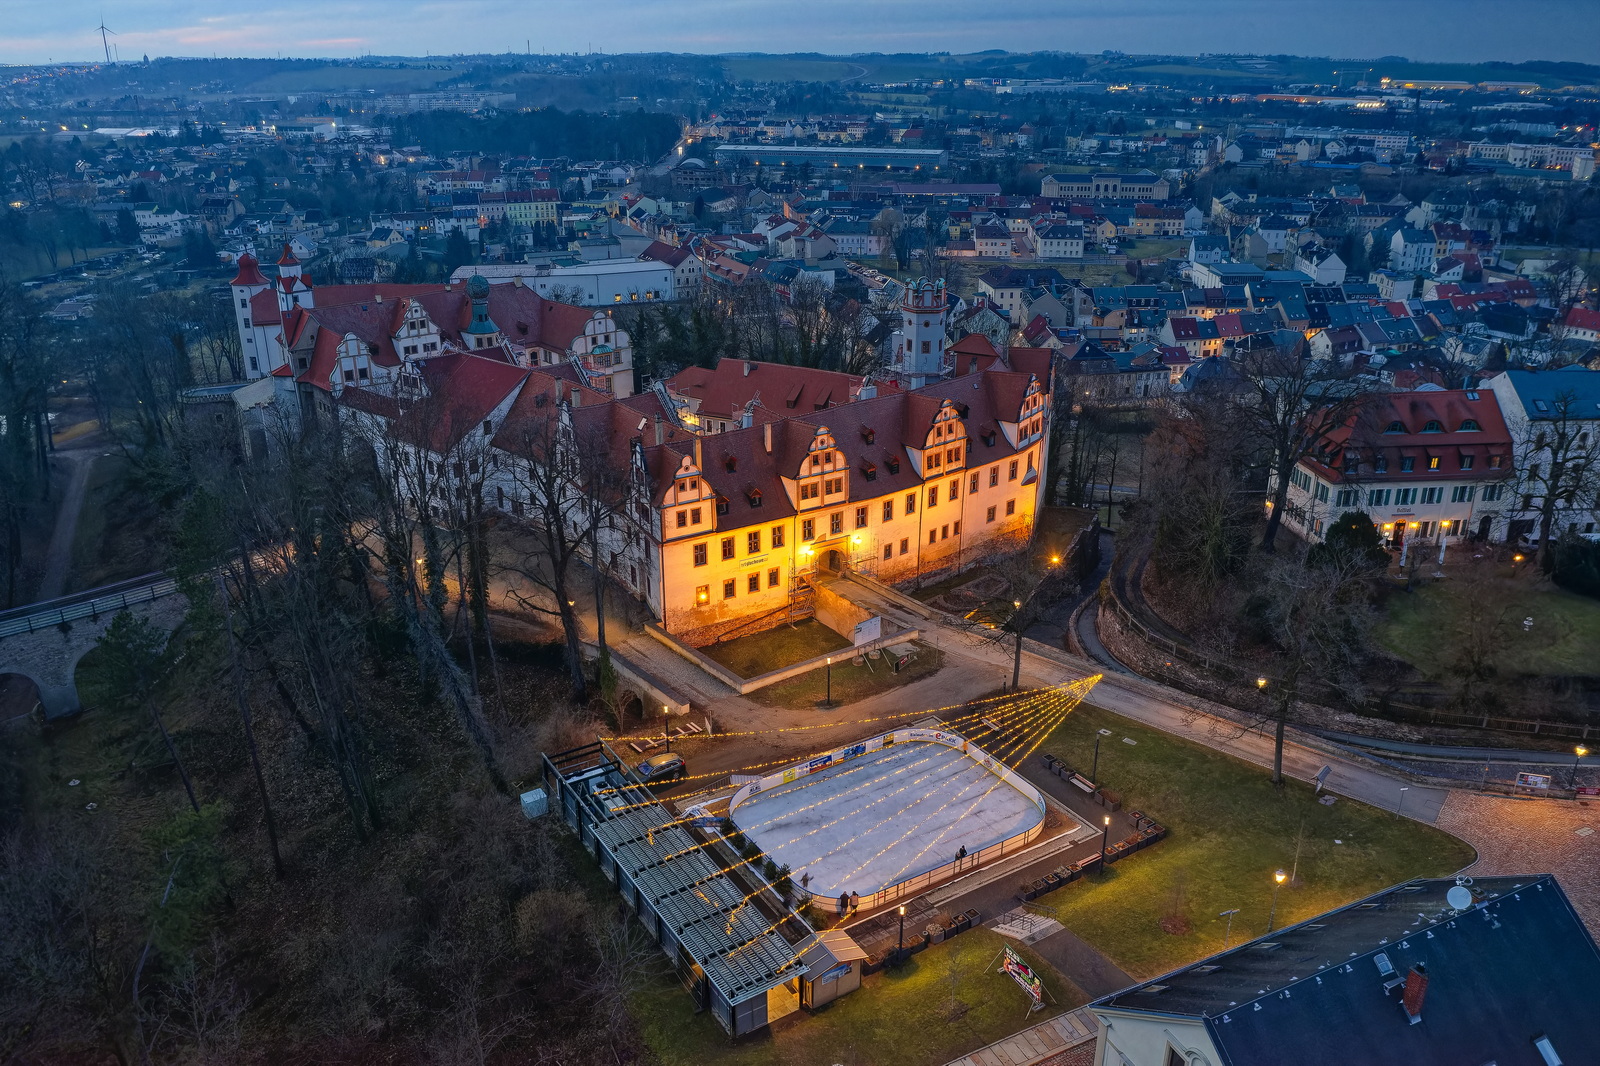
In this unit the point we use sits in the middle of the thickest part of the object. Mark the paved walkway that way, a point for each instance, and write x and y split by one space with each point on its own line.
58 556
1065 1040
1521 836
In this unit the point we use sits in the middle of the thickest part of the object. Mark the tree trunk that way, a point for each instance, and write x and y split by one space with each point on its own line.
249 730
172 750
1280 496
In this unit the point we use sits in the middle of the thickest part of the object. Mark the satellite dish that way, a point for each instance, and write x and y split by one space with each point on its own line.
1459 898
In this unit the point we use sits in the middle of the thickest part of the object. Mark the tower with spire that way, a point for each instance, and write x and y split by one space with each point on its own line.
294 288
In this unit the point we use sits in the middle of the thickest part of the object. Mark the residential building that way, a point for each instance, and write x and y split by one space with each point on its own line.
1139 186
687 269
1553 416
1433 972
1427 467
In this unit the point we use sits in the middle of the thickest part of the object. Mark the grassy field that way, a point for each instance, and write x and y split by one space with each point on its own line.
945 1002
775 648
1229 831
1564 639
1151 247
850 682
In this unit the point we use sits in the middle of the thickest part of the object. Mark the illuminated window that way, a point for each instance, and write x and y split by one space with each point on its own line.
808 529
702 594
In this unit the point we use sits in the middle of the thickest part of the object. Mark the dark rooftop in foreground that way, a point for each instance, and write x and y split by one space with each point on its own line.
1513 966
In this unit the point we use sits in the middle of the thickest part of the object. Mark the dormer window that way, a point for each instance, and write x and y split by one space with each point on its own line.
1433 426
1470 426
1395 427
722 505
894 464
754 497
867 435
869 470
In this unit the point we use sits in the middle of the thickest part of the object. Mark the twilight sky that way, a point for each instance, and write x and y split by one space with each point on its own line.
40 30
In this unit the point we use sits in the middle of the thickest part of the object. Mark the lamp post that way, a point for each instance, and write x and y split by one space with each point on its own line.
666 730
827 699
1581 752
1094 769
901 950
1515 559
1104 834
1277 883
1016 659
1398 807
1227 931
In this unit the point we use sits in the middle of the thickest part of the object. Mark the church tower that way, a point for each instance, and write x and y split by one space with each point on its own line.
920 341
246 284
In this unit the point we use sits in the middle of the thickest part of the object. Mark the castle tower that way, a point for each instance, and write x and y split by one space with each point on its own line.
246 284
920 341
481 332
294 288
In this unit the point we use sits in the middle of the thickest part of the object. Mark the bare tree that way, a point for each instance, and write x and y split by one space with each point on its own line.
1288 405
1557 452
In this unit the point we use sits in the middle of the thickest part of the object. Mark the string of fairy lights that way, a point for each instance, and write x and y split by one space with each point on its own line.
1026 744
1040 711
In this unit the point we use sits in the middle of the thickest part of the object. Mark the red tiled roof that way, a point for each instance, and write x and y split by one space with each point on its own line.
287 258
249 272
789 390
1367 432
1583 318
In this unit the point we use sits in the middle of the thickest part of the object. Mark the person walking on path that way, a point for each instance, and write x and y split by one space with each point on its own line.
855 902
844 904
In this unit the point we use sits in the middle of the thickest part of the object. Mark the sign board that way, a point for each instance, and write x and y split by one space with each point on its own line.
1589 790
867 630
1322 776
1023 975
1526 780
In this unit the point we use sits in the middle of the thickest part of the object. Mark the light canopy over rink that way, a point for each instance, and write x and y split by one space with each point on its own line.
873 815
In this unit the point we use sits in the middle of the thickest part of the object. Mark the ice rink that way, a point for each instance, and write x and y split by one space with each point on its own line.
883 817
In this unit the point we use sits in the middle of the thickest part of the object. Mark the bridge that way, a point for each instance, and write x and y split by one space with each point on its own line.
45 641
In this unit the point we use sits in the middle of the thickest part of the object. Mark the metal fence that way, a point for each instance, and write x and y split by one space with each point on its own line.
1379 706
68 609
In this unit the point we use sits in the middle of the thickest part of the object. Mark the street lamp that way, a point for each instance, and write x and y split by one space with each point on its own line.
1261 682
1227 931
1515 559
1104 833
1094 769
1581 752
1016 660
1277 883
901 950
827 699
1398 807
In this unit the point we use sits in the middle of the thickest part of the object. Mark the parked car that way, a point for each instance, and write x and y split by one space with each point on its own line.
668 766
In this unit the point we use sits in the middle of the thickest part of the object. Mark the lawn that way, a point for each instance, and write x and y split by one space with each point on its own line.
850 682
1563 640
1229 831
775 648
947 1001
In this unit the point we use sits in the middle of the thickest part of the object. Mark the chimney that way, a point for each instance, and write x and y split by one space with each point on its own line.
1416 988
766 436
517 281
660 435
748 366
447 287
698 465
577 397
377 298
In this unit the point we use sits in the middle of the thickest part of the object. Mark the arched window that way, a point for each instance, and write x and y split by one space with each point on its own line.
1395 427
1433 426
1470 426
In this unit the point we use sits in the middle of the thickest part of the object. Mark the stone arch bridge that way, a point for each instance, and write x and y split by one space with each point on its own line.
45 641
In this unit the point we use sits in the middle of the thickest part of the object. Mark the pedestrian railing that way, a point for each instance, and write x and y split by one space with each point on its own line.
72 608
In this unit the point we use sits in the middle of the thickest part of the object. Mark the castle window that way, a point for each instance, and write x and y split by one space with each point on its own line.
1433 426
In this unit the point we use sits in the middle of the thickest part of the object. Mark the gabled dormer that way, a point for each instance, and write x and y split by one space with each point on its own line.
1027 425
823 477
943 448
415 336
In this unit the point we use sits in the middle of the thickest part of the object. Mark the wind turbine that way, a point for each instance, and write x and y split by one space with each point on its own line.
103 43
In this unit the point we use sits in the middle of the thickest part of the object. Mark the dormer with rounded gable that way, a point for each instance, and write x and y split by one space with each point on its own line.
1028 424
944 446
688 502
823 477
606 351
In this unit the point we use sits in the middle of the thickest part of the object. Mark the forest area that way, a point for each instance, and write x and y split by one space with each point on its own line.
288 830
